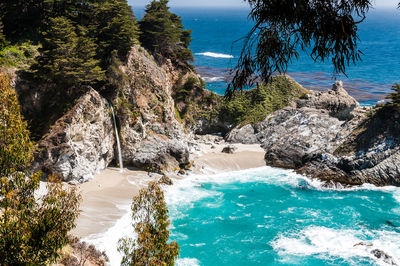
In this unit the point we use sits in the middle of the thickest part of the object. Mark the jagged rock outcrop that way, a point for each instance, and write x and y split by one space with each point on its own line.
81 143
151 136
327 135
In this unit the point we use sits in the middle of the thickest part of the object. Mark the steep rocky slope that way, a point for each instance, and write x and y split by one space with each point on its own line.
151 136
82 142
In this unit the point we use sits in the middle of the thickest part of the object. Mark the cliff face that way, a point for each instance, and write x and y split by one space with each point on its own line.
82 142
79 144
151 136
327 135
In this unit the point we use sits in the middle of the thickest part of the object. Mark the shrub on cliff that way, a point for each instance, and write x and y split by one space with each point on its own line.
32 228
395 96
252 106
162 33
3 41
151 246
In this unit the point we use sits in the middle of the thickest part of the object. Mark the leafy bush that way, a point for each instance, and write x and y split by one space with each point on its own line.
253 106
32 228
20 56
151 246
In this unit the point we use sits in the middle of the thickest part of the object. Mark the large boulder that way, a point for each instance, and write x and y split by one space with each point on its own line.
80 143
245 135
337 101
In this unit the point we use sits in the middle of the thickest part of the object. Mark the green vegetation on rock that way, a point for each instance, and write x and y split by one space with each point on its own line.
252 106
20 56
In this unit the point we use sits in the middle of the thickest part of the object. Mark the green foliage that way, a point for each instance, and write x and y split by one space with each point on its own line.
253 106
325 29
395 96
163 33
117 28
151 246
67 56
3 41
20 56
32 229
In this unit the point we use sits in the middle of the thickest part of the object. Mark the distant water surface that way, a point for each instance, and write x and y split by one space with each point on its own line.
215 30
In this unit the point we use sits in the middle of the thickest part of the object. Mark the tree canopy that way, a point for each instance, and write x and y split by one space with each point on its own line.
325 29
163 33
67 55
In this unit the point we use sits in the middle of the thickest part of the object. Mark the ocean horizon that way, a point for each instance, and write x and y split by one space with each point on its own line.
216 46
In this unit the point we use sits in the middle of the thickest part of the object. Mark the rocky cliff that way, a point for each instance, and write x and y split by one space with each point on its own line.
327 135
82 142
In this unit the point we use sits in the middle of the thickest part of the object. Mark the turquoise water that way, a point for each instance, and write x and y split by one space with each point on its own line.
216 30
270 216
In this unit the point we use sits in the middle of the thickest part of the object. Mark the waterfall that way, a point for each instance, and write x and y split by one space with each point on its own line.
121 166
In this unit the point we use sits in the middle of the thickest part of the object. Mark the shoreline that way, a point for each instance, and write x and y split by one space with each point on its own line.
107 197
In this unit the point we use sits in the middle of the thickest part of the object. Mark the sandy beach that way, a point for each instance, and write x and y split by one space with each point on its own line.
105 197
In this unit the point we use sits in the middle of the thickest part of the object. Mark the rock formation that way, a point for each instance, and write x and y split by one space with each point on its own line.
327 135
81 143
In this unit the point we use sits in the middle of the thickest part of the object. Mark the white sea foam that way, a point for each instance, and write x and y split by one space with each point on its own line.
215 55
108 241
347 244
213 79
187 262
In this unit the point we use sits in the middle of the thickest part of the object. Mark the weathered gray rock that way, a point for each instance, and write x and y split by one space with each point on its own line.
291 136
81 143
337 101
328 136
165 180
245 135
151 136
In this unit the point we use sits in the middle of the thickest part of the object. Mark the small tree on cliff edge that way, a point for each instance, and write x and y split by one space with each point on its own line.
151 246
32 229
162 33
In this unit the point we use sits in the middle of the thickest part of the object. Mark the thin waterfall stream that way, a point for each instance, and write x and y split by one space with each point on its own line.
121 166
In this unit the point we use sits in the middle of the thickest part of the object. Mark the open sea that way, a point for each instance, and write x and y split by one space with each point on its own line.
216 30
269 216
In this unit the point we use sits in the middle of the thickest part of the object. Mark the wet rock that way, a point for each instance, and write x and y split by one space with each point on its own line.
165 180
383 256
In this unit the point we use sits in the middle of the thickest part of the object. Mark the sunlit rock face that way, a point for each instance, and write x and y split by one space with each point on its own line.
327 135
79 144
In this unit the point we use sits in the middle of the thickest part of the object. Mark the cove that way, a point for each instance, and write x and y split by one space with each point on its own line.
269 216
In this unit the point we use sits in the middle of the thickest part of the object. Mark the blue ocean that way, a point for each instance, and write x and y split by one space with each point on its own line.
269 216
215 50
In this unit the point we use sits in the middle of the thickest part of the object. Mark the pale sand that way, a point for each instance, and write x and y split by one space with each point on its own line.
104 198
